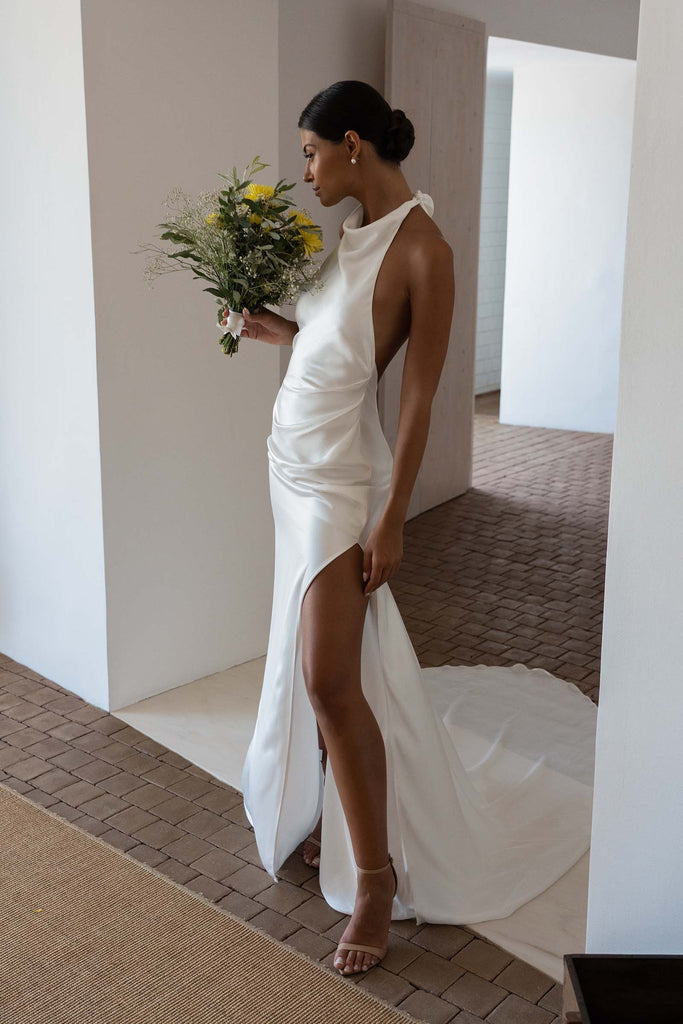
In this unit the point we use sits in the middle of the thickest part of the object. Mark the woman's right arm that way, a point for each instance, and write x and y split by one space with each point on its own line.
265 325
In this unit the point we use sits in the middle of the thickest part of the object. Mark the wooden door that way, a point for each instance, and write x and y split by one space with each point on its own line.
436 73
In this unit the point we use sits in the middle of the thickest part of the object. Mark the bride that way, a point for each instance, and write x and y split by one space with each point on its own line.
454 769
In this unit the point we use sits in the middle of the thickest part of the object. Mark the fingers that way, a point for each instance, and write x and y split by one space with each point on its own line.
251 325
262 316
258 324
374 581
371 572
377 577
367 571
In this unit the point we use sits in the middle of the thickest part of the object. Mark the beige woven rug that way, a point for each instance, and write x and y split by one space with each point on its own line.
92 936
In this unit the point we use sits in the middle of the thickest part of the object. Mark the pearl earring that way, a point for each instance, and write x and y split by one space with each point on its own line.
353 159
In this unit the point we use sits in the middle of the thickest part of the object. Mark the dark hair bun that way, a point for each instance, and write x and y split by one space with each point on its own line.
399 138
351 104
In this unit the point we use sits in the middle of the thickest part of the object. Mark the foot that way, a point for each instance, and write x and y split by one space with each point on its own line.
369 924
311 851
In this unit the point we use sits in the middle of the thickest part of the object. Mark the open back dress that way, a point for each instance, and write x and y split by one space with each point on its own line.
489 769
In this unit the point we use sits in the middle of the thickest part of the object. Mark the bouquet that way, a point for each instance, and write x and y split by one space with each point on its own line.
246 241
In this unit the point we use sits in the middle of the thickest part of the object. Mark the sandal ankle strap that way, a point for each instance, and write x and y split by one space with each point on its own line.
375 871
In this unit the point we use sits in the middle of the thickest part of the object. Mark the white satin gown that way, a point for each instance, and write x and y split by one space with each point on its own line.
489 770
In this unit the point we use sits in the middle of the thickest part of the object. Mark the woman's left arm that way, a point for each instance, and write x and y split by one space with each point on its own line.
431 287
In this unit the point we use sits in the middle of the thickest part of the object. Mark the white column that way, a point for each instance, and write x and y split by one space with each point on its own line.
570 151
636 877
136 545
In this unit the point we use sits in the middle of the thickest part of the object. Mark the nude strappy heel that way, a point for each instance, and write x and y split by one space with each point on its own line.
378 951
316 842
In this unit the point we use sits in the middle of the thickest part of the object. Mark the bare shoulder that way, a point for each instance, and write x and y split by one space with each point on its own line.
427 256
422 244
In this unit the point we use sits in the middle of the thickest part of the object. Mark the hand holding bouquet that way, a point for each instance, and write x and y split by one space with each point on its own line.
246 241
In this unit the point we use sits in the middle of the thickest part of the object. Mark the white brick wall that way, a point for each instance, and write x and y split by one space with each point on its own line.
493 231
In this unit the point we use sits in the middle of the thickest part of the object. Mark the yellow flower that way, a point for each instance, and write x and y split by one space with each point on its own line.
253 191
215 219
312 243
300 219
256 193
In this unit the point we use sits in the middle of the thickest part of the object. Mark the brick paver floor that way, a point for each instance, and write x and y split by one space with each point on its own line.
510 571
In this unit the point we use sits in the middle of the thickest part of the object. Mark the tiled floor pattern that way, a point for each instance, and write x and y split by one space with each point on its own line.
513 570
510 571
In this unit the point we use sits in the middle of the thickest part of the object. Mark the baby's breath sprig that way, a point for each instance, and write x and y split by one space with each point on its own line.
245 240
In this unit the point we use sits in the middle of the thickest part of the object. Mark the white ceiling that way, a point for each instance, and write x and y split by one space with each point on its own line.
506 54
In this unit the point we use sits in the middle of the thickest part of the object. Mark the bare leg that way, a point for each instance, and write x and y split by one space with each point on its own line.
332 616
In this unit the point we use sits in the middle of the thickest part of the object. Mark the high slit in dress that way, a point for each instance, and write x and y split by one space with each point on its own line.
489 769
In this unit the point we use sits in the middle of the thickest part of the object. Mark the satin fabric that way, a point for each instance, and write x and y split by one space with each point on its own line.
489 770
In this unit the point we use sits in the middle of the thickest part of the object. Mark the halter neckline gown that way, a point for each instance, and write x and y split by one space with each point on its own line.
489 769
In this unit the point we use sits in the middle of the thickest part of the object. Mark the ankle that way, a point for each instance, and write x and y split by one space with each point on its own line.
385 865
371 885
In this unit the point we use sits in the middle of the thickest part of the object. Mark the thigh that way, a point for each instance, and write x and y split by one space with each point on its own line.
332 616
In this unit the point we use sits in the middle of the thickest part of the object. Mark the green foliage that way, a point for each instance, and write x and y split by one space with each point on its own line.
253 249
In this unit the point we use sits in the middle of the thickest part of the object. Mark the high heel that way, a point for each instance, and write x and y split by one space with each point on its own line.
378 951
316 842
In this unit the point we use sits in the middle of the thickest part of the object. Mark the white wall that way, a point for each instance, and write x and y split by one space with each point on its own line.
635 883
341 42
567 202
51 546
493 231
185 520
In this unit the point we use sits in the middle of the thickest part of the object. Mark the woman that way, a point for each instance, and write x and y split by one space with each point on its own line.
472 842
